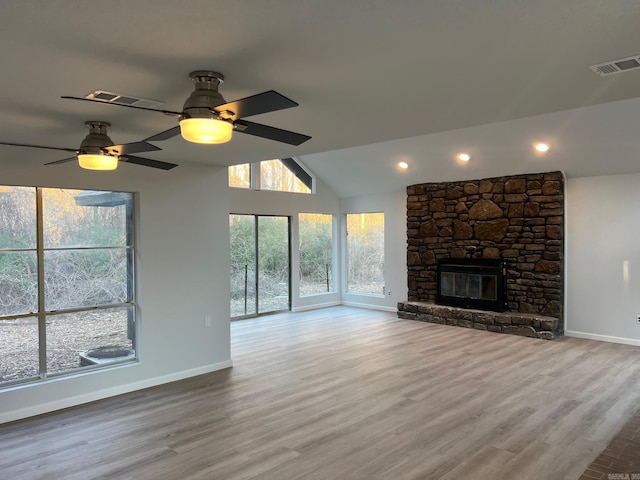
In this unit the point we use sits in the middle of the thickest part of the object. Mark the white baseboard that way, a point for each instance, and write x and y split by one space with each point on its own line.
370 307
603 338
108 392
347 304
315 306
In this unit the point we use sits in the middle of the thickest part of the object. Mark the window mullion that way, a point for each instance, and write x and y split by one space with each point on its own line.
130 236
255 176
256 245
42 334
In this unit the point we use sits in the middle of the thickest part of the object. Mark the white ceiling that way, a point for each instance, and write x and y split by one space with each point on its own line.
445 76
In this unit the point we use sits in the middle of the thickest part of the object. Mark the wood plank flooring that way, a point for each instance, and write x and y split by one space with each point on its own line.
345 393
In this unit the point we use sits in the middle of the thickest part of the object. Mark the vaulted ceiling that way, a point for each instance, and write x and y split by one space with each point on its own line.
378 81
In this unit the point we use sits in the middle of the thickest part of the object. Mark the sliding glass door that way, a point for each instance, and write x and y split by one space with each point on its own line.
273 264
260 264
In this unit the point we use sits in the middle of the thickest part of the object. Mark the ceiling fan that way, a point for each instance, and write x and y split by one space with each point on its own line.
206 117
98 152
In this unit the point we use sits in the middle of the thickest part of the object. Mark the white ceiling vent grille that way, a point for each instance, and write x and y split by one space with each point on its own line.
616 66
123 99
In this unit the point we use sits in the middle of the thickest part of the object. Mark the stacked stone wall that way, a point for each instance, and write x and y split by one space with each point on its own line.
519 219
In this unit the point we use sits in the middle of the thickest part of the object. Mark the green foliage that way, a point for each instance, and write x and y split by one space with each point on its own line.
93 277
273 248
316 253
73 277
273 258
7 241
18 283
242 236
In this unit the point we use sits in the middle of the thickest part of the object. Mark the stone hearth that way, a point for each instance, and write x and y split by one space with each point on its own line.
525 324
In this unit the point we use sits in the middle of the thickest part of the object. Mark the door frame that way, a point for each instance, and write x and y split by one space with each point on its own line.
257 265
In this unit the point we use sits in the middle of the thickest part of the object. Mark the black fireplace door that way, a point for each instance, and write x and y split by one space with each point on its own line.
478 283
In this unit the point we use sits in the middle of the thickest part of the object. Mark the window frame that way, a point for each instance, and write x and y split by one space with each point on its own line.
129 200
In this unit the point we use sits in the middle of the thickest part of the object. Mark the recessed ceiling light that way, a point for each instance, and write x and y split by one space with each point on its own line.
463 157
542 147
403 165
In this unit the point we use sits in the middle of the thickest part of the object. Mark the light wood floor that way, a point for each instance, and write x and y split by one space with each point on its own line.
345 393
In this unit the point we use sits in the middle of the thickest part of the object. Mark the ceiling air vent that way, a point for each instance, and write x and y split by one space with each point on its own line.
616 66
123 99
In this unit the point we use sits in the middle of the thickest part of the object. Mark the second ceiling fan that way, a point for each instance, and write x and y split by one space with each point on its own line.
98 152
206 117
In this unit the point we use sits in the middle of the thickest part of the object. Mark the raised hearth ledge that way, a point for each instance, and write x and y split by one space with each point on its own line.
524 324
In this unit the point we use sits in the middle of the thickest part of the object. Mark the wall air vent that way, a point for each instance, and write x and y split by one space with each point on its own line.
616 66
123 99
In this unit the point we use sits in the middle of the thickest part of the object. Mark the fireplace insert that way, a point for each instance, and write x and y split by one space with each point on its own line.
479 283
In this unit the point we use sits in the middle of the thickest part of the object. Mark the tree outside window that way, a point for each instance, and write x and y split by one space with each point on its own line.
365 253
316 253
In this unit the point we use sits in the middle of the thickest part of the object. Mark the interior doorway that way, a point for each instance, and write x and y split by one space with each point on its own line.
260 264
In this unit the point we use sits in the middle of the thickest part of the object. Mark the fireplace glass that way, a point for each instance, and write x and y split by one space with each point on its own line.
474 286
483 287
489 288
447 281
472 283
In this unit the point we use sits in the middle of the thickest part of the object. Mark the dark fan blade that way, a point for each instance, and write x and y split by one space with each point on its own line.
264 102
272 133
64 160
166 112
166 135
135 147
147 162
39 146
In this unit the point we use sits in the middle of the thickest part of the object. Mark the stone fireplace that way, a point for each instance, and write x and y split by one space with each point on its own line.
515 223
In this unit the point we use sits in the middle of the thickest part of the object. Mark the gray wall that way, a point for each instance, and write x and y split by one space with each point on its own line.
603 258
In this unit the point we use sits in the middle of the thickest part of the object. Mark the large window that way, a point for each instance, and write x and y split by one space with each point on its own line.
365 253
316 253
66 281
281 175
